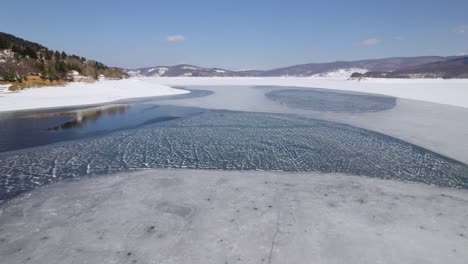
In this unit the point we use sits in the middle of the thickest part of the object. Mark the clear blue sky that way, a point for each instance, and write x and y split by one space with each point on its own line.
240 34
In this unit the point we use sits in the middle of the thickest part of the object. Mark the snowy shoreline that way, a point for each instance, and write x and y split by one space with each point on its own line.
76 94
449 92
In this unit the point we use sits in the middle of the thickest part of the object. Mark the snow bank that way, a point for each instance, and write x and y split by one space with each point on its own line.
450 92
83 94
4 88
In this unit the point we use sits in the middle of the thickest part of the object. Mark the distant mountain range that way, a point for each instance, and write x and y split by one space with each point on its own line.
404 67
449 68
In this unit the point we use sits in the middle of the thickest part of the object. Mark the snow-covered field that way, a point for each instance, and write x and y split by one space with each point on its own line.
83 94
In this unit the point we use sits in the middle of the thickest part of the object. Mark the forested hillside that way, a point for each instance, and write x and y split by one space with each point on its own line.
20 58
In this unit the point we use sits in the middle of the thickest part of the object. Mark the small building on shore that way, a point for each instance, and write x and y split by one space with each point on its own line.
72 73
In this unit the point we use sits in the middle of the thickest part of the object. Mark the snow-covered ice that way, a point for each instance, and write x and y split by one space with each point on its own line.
192 216
317 212
437 127
84 94
451 92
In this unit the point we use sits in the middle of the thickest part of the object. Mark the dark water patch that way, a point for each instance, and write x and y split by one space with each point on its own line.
81 118
32 128
42 128
232 141
331 101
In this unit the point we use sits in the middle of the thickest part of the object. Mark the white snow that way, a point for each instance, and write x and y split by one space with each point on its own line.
136 73
152 70
84 94
341 73
189 216
4 88
220 71
162 71
451 92
189 68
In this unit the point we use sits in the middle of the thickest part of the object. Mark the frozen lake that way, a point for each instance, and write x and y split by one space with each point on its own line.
199 216
372 162
151 134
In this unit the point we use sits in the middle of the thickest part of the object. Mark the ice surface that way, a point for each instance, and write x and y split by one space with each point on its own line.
332 101
232 141
440 128
451 92
190 216
306 214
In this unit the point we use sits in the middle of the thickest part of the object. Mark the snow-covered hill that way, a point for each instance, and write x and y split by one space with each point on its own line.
182 70
337 69
341 73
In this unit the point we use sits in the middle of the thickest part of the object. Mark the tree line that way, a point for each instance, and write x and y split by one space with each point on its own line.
50 64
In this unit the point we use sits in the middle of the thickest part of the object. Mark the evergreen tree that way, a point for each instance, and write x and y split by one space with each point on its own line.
60 66
30 52
49 55
4 44
16 48
57 55
40 65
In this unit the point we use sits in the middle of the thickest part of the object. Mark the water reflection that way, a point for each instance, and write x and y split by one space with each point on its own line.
46 127
80 118
31 128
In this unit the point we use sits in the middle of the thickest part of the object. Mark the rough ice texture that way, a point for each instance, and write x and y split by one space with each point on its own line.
83 94
232 141
188 216
332 101
440 128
